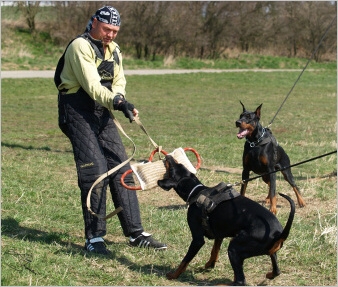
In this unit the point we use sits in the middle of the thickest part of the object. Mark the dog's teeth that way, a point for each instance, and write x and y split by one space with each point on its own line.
242 133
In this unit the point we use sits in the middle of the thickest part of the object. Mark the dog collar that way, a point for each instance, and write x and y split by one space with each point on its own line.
253 144
192 191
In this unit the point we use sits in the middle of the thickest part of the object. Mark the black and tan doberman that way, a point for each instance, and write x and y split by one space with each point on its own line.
263 155
221 212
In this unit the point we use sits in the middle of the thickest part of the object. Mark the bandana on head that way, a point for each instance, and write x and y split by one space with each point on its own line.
106 14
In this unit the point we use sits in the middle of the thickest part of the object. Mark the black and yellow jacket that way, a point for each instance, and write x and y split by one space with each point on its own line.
84 67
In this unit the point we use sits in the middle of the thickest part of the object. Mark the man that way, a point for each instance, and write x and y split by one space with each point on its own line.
91 83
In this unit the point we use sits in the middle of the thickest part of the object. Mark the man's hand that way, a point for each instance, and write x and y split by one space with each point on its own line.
128 109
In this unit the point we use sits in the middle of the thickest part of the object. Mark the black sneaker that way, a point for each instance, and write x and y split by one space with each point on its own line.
96 245
146 241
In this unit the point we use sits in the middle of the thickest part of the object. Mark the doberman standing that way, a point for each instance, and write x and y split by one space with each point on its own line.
220 212
263 155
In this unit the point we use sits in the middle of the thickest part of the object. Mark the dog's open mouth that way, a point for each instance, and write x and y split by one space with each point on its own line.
242 133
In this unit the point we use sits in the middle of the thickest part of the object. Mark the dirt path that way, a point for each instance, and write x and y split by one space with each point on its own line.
50 73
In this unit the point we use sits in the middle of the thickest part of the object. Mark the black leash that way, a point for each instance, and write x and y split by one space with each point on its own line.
320 42
284 168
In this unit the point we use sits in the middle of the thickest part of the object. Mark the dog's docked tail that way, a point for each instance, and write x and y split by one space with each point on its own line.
285 233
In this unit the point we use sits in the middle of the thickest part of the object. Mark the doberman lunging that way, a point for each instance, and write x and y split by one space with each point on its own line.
220 212
263 155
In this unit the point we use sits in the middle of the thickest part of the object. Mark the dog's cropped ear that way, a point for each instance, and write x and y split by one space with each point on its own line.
244 110
258 111
166 184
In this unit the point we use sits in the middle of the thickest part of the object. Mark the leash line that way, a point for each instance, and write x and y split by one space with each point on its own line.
284 168
315 51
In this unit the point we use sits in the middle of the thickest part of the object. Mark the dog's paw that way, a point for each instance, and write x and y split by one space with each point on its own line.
301 203
210 264
171 276
271 275
273 210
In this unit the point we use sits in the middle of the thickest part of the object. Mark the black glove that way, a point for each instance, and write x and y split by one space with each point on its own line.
120 104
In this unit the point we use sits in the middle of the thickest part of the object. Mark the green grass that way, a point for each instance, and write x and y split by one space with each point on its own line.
247 61
42 228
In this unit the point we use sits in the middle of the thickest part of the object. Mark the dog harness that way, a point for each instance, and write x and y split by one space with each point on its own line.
208 199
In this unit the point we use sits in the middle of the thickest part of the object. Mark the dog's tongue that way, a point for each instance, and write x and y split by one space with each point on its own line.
242 133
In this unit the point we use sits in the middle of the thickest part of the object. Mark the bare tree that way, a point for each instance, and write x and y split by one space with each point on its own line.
214 19
71 19
205 29
29 9
318 18
145 23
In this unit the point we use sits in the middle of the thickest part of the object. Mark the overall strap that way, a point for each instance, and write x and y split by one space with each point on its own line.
98 52
59 66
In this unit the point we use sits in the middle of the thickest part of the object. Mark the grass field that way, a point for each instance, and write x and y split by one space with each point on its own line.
42 228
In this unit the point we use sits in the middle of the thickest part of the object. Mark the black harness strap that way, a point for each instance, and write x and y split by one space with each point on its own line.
98 52
59 67
209 198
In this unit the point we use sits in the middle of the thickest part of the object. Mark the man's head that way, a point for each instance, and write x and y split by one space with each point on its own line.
108 15
104 24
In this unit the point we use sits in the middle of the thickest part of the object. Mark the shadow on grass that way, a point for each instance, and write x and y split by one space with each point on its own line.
173 207
30 147
186 277
10 227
